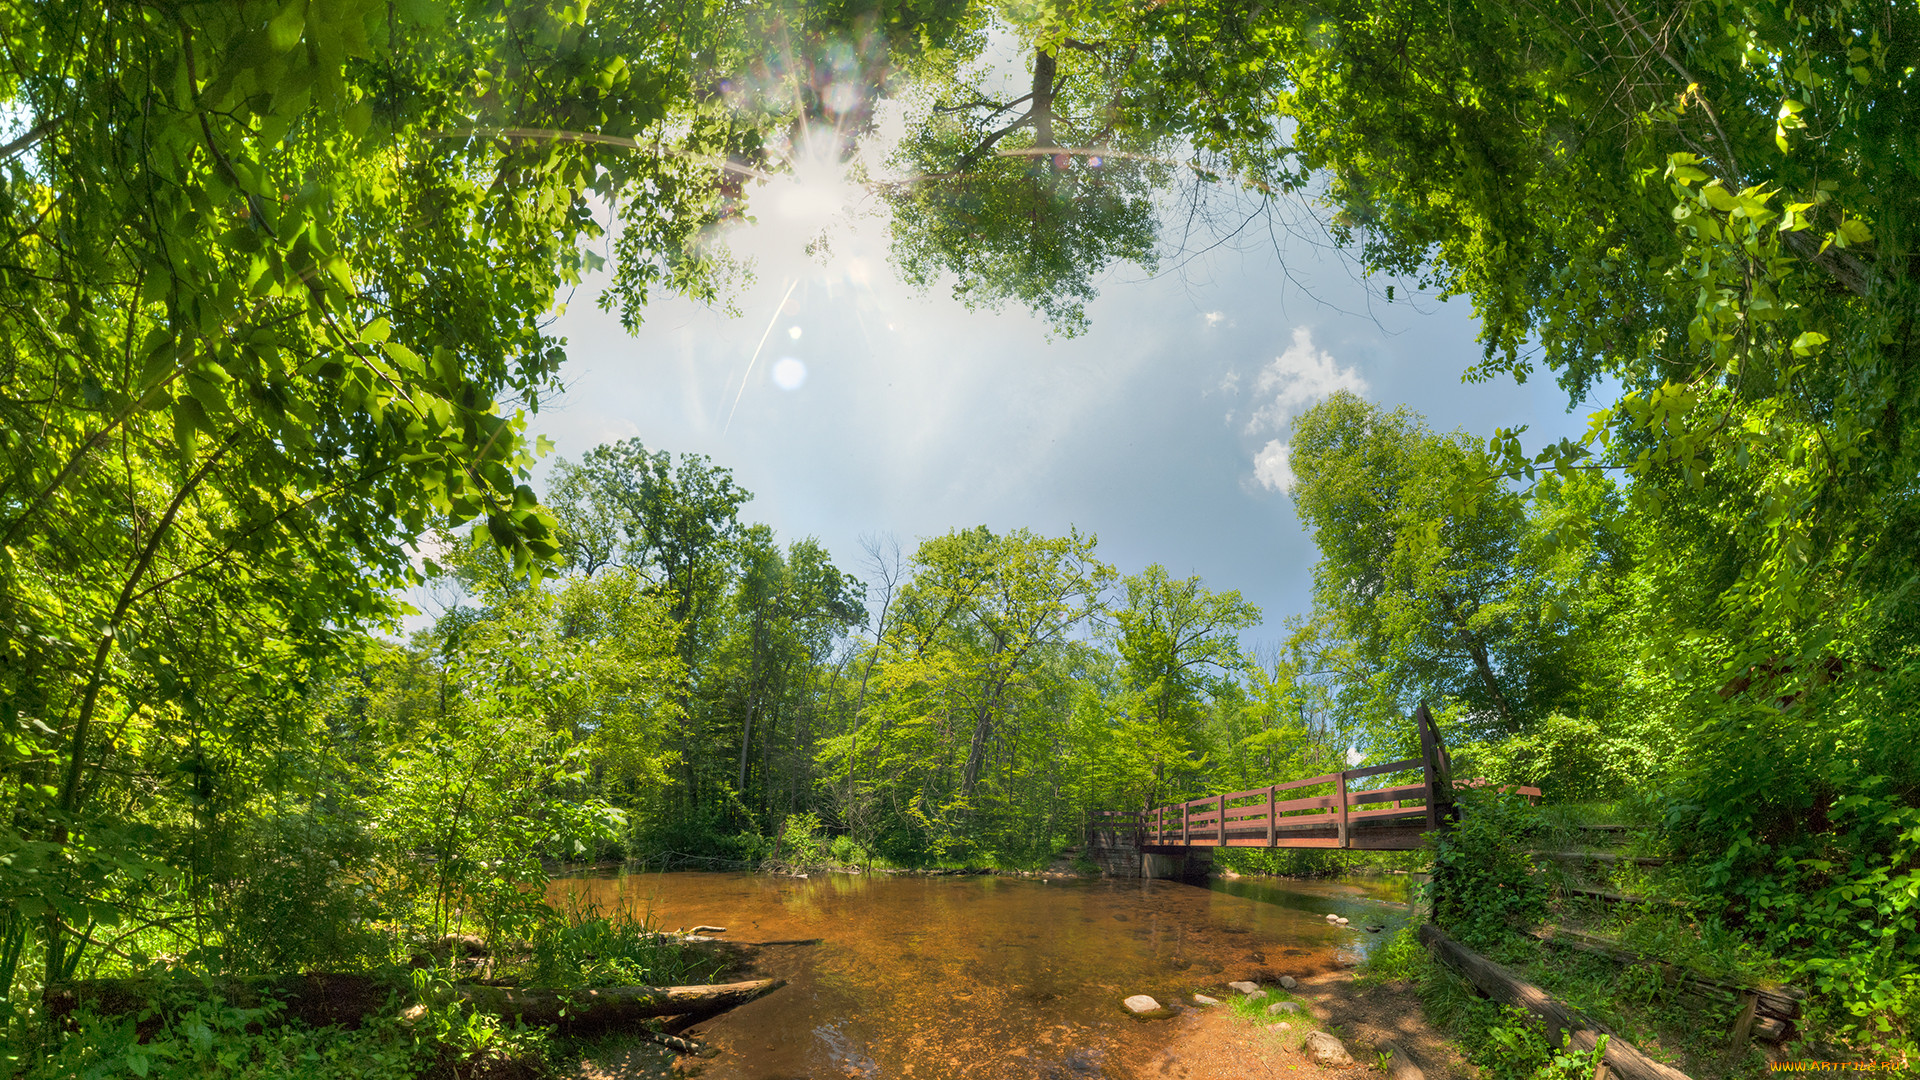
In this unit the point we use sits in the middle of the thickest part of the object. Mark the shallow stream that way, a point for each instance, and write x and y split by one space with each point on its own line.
940 977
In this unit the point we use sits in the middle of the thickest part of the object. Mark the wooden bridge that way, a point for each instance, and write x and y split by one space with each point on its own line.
1391 818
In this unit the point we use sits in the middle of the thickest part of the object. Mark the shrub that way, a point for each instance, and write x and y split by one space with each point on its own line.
1484 882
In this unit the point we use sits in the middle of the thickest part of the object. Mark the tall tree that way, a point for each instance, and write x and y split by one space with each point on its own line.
1419 566
1179 649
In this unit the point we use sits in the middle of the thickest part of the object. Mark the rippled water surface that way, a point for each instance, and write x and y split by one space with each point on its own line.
985 976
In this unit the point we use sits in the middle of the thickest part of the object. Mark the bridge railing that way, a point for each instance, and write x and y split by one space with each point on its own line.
1392 816
1264 818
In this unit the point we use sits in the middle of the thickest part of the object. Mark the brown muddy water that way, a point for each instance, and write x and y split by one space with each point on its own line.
950 977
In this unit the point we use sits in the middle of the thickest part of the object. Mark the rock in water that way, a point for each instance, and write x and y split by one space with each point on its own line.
1375 929
1141 1003
1334 919
1325 1050
1279 1008
1287 982
1243 987
1202 999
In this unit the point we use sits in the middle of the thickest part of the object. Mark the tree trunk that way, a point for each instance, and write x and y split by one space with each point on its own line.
1042 105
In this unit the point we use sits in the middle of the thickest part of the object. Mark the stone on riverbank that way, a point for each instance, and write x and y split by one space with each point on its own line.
1280 1007
1325 1050
1243 987
1141 1003
1281 1026
1202 999
1287 982
1256 995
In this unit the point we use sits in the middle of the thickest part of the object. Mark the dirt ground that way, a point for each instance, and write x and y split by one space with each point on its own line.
1201 1044
1213 1044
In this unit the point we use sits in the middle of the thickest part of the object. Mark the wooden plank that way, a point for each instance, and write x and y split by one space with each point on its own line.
1622 1057
1343 810
1404 791
1597 856
1308 782
1389 839
1743 1026
1429 765
1780 1001
1391 811
1318 802
1381 770
1619 898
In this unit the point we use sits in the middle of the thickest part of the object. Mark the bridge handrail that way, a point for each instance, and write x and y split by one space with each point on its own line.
1212 820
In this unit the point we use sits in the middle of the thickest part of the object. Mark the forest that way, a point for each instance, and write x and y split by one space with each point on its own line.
274 317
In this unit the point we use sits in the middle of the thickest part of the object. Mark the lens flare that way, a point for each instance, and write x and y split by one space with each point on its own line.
789 373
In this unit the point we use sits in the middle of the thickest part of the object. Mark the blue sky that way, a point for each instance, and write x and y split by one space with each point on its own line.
875 409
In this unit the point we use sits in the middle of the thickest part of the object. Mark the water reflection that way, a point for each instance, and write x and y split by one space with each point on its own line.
982 976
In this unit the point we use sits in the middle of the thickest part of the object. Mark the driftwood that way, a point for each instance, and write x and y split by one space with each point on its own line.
343 1000
1582 1033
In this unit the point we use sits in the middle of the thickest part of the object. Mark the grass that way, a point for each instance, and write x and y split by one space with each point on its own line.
585 944
1634 1001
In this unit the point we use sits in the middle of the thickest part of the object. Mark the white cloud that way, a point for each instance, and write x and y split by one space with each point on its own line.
1300 377
1297 379
1273 466
1214 318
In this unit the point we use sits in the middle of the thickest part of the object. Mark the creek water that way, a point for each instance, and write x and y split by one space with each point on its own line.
947 977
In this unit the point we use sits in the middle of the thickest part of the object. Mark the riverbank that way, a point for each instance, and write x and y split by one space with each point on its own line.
1216 1043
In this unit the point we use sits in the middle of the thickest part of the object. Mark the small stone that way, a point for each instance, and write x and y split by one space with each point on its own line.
1141 1003
1243 987
1279 1008
1256 995
1287 982
1335 919
1375 929
1325 1050
1202 999
1281 1026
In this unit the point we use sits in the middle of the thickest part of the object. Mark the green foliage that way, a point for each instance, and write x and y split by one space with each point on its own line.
1515 1050
211 1038
1401 958
1485 884
582 944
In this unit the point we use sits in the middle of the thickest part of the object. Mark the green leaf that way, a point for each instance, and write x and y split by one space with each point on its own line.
285 29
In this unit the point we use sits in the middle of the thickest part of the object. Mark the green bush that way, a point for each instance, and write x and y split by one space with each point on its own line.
585 945
1485 884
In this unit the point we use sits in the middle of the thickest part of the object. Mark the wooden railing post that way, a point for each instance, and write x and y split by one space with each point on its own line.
1429 765
1340 782
1223 821
1272 824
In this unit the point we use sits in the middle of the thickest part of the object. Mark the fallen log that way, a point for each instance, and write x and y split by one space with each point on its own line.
344 1000
610 1005
1581 1033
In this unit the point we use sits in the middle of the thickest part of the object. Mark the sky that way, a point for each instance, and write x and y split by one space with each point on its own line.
872 409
